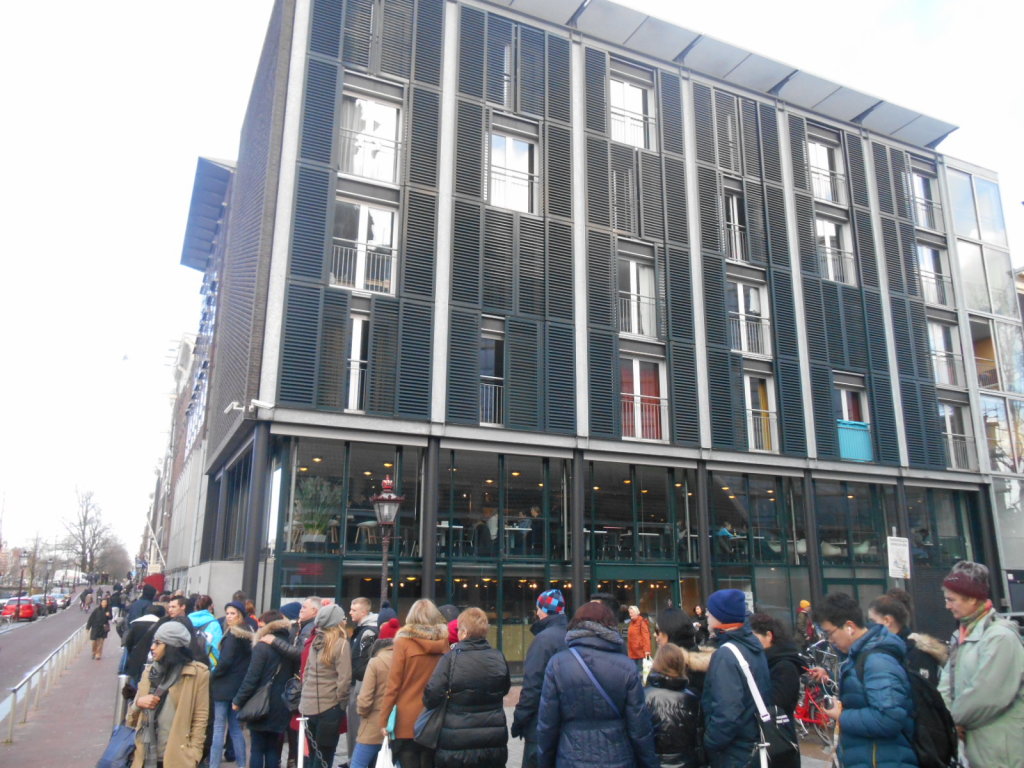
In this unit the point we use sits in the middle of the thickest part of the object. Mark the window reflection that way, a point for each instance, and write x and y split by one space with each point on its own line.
990 211
965 222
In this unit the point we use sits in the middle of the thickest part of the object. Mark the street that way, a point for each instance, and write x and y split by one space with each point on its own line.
25 644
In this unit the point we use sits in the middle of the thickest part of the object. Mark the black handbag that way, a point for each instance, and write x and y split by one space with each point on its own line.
427 730
120 749
775 743
258 705
292 693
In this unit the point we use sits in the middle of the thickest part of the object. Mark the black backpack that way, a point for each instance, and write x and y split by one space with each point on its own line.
935 740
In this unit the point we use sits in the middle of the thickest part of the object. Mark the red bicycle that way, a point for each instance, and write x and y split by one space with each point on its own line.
816 695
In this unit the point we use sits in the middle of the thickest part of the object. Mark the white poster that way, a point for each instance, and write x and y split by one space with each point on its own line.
899 557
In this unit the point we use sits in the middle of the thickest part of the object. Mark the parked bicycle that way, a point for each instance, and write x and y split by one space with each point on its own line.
816 695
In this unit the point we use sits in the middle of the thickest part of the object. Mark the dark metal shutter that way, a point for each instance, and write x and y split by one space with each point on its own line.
601 280
798 151
751 138
709 189
893 265
603 377
675 191
559 282
464 367
884 420
725 116
429 37
532 71
358 33
314 193
652 203
913 429
772 156
728 430
466 249
901 188
883 177
671 114
934 441
757 231
499 245
415 333
325 29
911 268
866 258
396 36
832 319
817 343
382 356
876 341
469 157
420 238
558 179
334 351
596 76
683 388
858 172
806 238
704 124
919 337
855 328
318 115
560 379
523 374
425 109
598 198
624 188
501 35
531 272
791 406
559 79
783 313
471 51
824 412
680 299
714 300
299 345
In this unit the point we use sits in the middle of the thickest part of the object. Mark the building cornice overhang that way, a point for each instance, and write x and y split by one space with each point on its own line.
209 197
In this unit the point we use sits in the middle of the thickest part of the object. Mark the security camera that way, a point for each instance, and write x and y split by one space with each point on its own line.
260 404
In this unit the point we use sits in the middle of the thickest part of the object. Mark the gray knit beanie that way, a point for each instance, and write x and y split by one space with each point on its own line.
329 616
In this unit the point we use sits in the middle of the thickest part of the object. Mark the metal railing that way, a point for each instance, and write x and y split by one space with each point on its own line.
637 314
927 213
36 682
837 265
750 334
513 189
371 157
491 411
763 430
960 452
937 289
643 417
736 242
633 128
949 369
363 266
828 185
355 397
854 440
988 372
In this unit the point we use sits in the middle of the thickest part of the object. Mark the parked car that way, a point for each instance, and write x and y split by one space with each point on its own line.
21 608
52 603
42 607
63 600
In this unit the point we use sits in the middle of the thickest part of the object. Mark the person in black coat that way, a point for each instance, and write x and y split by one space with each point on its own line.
140 604
785 667
268 664
225 680
473 734
549 638
576 726
675 709
98 625
925 655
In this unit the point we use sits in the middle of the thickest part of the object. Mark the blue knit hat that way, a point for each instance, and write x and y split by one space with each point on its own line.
291 610
551 601
729 606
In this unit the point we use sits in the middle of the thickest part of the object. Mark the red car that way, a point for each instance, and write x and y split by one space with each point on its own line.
21 608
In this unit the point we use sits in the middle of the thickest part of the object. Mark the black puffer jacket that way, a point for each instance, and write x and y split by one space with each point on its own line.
474 733
785 667
235 652
676 712
549 639
268 663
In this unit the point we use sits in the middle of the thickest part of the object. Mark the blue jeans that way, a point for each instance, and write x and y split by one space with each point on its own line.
363 755
266 749
224 715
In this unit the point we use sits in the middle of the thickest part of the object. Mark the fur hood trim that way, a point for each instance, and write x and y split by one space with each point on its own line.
242 633
274 626
932 646
380 645
700 660
424 631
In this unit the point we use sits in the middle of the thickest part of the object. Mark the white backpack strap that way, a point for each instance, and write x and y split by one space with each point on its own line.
762 710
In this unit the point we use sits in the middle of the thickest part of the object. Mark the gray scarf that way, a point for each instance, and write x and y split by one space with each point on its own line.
161 678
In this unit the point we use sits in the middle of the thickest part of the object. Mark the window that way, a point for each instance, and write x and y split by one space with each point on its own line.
987 274
749 327
369 138
492 379
834 261
513 176
762 423
936 286
637 308
643 407
363 252
977 208
960 451
852 423
735 227
985 360
946 358
965 220
1011 356
927 210
990 211
631 96
997 434
359 335
825 163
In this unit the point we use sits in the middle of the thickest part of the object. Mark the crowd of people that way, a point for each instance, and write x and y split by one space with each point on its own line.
681 691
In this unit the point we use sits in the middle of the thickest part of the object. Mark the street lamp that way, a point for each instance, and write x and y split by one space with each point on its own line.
385 506
21 578
46 579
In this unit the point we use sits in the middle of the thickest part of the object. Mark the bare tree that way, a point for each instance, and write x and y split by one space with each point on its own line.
87 533
113 558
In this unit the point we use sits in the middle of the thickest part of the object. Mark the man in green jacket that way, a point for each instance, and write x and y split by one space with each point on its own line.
983 681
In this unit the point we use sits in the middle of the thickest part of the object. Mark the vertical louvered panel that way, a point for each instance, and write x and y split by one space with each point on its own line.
854 327
680 299
783 313
766 224
358 32
704 124
415 337
675 191
935 443
824 412
466 247
500 59
671 114
661 291
754 216
559 79
523 375
893 265
791 406
714 300
598 198
901 336
334 351
429 39
911 269
864 234
469 160
325 29
559 273
806 240
560 379
832 319
396 38
318 115
596 75
423 137
901 183
876 341
652 202
772 156
884 420
313 197
720 392
498 249
919 340
464 367
603 379
624 188
727 126
798 151
532 71
382 367
601 280
531 266
883 177
751 138
858 171
299 345
471 52
558 179
420 238
913 429
683 386
817 342
709 189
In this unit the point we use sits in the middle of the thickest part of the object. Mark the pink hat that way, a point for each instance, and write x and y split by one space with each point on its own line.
453 631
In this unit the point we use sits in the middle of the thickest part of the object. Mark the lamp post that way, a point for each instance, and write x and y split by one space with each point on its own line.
385 506
21 578
46 579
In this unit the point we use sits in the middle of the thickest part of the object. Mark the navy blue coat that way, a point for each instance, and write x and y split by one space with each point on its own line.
876 727
268 663
576 728
549 639
730 716
235 652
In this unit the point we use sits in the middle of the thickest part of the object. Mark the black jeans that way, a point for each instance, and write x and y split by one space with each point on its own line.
409 754
265 749
323 737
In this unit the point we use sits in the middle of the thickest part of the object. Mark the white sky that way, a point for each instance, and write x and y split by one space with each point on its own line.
109 104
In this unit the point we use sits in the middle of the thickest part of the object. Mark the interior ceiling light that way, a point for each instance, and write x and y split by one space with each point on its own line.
303 469
516 474
317 459
367 473
388 465
725 487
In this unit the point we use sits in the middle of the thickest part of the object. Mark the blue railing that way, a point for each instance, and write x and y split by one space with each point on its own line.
854 440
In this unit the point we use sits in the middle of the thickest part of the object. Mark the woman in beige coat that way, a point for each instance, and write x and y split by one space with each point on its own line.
371 697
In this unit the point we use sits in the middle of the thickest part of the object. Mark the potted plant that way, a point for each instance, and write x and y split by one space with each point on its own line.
316 501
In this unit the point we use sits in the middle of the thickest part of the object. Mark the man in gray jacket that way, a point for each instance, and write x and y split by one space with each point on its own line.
362 640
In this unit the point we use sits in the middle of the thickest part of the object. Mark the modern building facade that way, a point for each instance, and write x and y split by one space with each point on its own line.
620 308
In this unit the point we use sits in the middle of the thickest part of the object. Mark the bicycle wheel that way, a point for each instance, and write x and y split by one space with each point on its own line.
824 732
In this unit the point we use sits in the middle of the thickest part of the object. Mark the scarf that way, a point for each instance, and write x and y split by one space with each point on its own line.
968 623
161 678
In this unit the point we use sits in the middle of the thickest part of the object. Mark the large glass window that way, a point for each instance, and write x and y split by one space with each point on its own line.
956 428
513 173
632 113
985 359
762 423
990 211
935 282
735 227
749 327
972 273
684 509
654 539
643 406
1011 356
1001 283
637 308
826 167
524 523
851 522
946 358
965 220
835 260
997 434
363 252
369 138
939 533
492 379
927 211
751 519
610 521
358 359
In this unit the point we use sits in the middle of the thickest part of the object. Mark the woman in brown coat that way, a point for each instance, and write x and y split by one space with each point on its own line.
371 696
639 641
419 645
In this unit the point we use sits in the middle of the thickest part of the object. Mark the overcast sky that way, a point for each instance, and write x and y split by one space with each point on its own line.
108 105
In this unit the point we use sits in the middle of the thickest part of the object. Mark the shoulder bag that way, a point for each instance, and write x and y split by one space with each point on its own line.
258 705
774 744
427 730
600 688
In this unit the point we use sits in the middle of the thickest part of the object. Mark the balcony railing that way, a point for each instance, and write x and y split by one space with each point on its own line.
854 440
949 369
828 185
491 411
927 213
363 266
634 128
937 289
371 157
960 452
763 429
643 417
736 242
356 384
988 372
637 314
510 188
837 265
750 335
